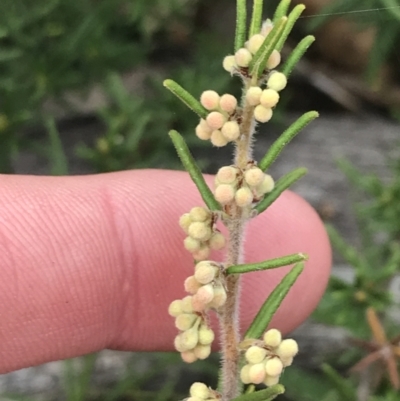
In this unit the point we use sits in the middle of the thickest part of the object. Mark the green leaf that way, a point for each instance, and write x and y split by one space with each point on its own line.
271 305
241 15
193 170
343 386
58 159
281 10
264 395
186 98
291 20
297 54
284 139
282 185
256 17
267 264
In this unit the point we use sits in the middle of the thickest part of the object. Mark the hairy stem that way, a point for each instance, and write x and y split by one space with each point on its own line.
229 316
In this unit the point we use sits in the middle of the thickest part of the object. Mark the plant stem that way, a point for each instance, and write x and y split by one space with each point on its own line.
235 223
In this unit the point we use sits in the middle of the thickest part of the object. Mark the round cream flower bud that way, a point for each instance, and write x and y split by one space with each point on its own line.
274 60
262 114
200 231
229 63
227 175
287 348
255 43
205 294
202 254
191 285
185 221
202 133
217 139
254 176
257 373
271 380
273 367
199 390
255 354
202 351
189 338
205 272
243 57
191 244
185 321
217 241
219 297
189 357
266 27
224 193
206 335
187 304
267 185
272 338
210 100
175 308
243 197
287 362
231 130
244 374
253 95
199 213
215 120
277 81
179 346
228 103
269 98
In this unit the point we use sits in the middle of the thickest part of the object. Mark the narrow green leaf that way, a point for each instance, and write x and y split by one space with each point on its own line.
343 386
271 305
259 61
241 15
194 171
58 159
282 185
186 98
267 264
291 20
264 395
277 147
297 54
281 10
256 17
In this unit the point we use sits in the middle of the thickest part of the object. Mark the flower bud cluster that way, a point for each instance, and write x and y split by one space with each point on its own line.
241 187
200 392
243 57
202 237
220 125
195 337
267 359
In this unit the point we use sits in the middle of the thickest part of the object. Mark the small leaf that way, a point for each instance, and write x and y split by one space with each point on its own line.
271 305
186 98
291 20
297 54
256 17
193 170
264 395
241 15
284 139
267 264
281 10
282 185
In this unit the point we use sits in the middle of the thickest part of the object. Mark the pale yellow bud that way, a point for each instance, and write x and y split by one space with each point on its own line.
243 197
266 27
274 60
202 133
187 304
273 367
179 346
210 100
205 294
262 114
267 185
231 130
244 374
243 57
199 390
184 222
219 297
228 103
253 95
205 272
206 335
191 244
269 98
277 81
202 254
271 380
257 373
185 321
200 231
175 308
199 213
229 63
189 357
255 43
215 120
287 362
272 338
202 351
287 348
255 354
224 193
227 175
217 139
217 241
254 176
189 338
191 285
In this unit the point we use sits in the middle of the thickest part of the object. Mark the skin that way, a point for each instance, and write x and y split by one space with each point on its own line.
92 262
